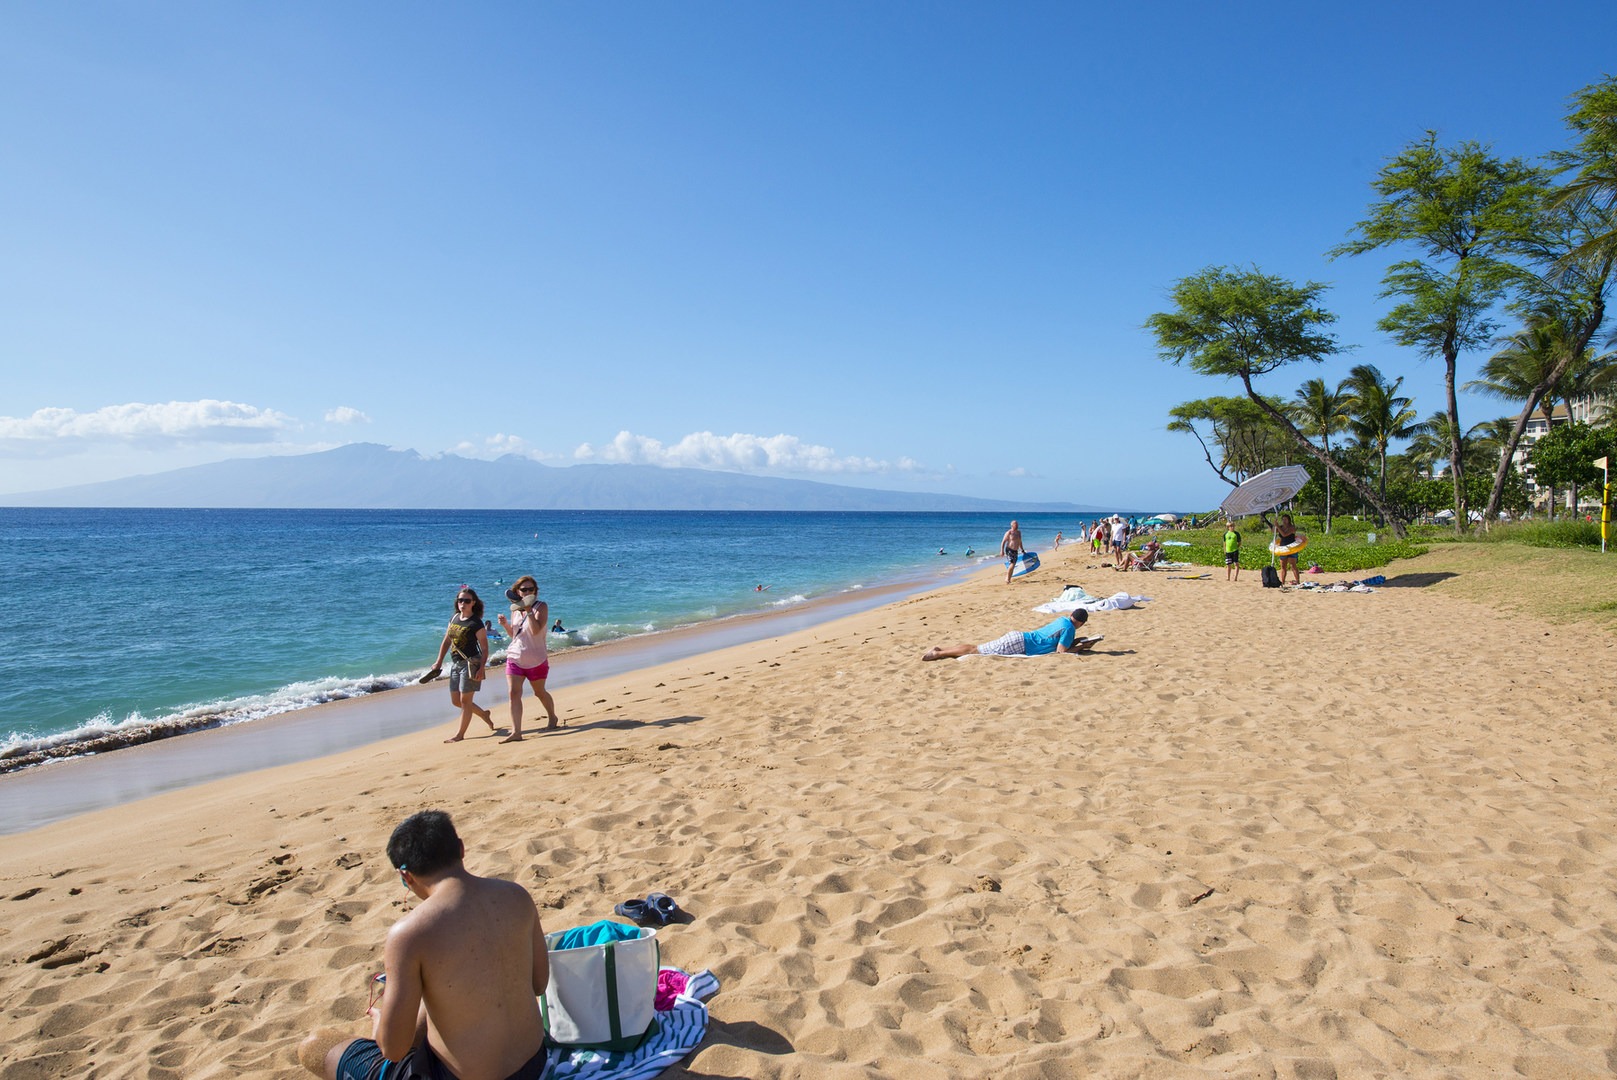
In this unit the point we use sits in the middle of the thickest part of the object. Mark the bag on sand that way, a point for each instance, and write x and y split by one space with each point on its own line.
602 996
1271 579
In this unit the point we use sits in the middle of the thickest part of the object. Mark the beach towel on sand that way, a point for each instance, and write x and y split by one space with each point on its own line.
674 1033
1116 602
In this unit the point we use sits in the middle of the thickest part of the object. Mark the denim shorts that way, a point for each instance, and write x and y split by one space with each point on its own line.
460 677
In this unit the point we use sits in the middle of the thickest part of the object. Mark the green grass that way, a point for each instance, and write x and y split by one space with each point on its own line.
1543 534
1561 584
1345 550
1551 570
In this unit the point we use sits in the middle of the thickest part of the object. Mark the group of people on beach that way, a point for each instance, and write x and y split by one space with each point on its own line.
527 658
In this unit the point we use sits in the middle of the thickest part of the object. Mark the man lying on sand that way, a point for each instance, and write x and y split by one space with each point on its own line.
464 972
1057 637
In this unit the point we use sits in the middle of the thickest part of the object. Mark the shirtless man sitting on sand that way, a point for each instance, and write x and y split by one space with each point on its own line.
464 973
1059 636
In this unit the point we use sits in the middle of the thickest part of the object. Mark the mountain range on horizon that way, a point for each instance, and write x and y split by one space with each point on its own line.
369 476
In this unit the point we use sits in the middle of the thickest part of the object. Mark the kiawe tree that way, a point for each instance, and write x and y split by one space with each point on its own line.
1237 429
1242 324
1461 209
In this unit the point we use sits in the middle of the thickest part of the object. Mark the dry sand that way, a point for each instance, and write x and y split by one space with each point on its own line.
1255 834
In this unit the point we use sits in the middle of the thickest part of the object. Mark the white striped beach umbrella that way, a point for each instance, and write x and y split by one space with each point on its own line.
1264 491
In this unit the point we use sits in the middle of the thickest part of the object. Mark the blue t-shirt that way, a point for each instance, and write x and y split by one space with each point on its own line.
1046 638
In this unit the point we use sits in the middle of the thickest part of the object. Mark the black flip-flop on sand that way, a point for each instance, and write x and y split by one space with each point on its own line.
635 910
662 906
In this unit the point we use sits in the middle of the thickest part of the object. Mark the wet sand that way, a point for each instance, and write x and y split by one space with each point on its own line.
1255 834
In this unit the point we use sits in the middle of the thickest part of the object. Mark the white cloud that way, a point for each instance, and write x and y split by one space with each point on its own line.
342 414
738 453
175 422
499 445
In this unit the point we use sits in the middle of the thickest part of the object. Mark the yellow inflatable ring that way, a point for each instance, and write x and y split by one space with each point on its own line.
1284 550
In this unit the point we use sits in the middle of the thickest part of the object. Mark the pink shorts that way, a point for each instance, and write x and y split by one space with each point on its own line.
540 673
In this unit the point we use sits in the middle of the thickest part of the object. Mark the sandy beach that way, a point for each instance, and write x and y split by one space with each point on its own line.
1254 834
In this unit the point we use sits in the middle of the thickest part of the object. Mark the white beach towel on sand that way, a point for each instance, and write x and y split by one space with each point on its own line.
1115 602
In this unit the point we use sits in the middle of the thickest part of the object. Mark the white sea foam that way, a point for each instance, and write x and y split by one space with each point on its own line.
103 728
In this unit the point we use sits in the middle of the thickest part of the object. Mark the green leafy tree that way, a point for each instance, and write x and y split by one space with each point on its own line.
1378 414
1321 411
1416 496
1243 324
1240 432
1565 456
1460 209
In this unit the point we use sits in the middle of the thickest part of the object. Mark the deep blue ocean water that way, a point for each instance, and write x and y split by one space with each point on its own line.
124 619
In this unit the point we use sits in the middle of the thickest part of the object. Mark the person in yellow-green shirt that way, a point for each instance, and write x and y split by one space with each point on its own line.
1232 553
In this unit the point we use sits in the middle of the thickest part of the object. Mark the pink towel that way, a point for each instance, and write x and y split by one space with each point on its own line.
670 984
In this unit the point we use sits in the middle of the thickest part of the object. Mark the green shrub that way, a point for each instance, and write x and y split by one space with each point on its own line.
1544 534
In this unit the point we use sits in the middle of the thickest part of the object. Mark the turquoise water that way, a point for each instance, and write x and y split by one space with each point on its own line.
128 620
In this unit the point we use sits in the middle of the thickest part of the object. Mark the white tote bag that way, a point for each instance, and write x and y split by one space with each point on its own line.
602 996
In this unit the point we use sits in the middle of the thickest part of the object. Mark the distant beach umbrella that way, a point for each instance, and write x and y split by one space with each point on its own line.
1265 491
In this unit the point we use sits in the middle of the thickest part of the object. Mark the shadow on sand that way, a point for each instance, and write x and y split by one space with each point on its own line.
616 724
1417 581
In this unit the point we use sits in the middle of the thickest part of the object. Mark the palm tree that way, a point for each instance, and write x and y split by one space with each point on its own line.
1429 445
1486 442
1528 358
1377 414
1526 365
1593 160
1319 410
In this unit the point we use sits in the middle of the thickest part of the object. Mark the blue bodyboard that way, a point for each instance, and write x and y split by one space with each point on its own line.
1026 563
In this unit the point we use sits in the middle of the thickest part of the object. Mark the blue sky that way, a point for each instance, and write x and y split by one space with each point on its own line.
898 245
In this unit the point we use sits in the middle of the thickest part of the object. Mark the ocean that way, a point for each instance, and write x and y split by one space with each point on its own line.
128 623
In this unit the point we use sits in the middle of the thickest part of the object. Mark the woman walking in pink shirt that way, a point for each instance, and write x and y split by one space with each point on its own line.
527 658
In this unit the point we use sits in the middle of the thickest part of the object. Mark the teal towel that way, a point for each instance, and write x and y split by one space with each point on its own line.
597 933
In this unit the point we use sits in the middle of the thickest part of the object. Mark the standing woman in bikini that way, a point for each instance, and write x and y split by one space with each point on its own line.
527 659
1285 536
